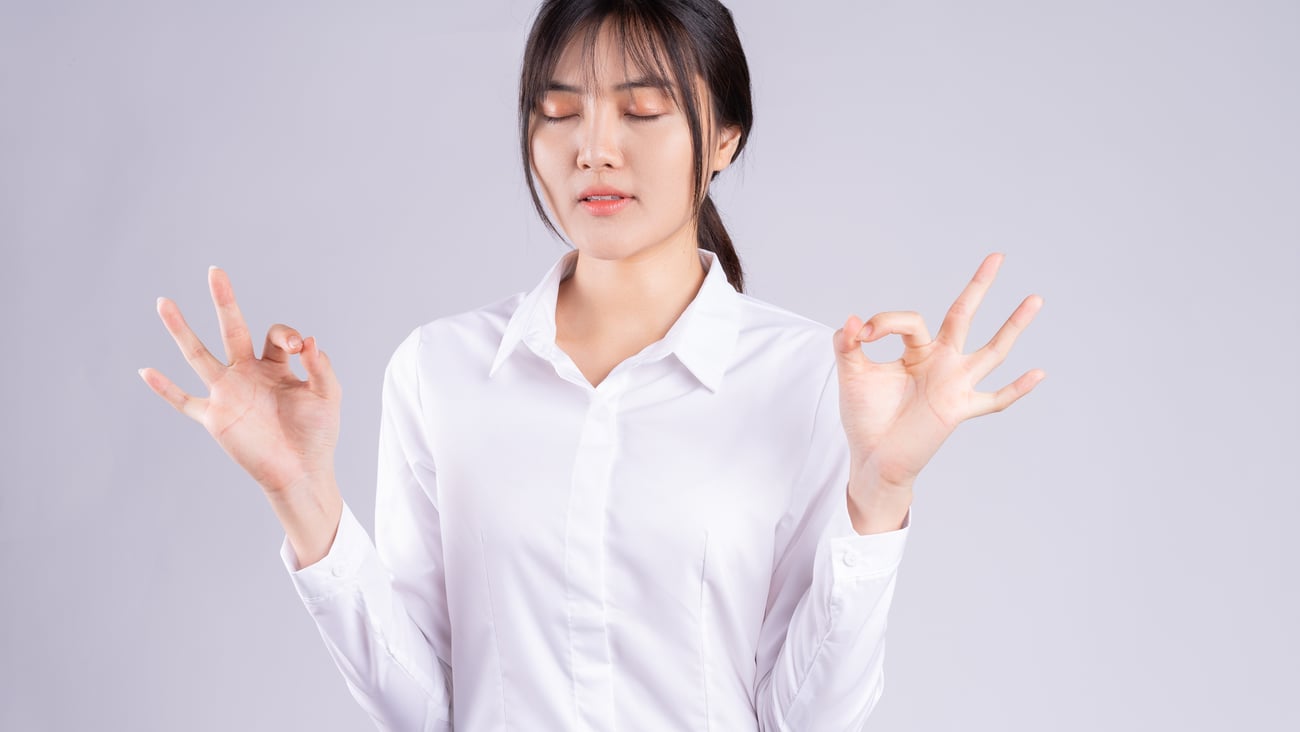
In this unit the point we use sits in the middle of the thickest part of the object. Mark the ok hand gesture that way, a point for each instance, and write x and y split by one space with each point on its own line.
897 414
280 429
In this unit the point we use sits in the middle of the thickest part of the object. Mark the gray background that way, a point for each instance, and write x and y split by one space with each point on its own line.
1113 552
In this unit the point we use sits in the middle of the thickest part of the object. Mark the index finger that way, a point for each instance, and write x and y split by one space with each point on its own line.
956 324
204 363
234 332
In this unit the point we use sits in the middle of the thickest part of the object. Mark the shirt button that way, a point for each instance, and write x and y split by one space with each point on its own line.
337 571
850 559
602 410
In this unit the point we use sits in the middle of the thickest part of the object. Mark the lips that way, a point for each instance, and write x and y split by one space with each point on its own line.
599 206
602 193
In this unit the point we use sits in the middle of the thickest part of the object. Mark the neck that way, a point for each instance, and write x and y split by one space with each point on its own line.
633 300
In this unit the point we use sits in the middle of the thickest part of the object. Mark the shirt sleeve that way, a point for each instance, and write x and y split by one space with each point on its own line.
381 607
822 643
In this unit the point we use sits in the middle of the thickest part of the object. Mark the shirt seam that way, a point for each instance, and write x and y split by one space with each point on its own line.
568 616
811 432
496 639
704 663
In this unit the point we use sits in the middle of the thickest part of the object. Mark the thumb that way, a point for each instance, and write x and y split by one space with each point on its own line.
848 347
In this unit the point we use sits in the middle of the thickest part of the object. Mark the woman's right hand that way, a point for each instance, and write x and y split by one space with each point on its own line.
280 429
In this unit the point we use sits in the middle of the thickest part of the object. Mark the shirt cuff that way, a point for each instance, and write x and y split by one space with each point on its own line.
855 555
339 569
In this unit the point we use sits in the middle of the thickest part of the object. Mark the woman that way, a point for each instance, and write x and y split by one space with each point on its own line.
632 497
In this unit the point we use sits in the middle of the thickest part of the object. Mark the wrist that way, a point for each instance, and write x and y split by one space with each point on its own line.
310 512
875 504
309 493
306 484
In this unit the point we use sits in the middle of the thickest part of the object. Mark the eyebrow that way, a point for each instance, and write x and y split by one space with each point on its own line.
641 82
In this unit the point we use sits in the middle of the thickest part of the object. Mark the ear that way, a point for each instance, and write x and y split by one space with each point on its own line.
725 150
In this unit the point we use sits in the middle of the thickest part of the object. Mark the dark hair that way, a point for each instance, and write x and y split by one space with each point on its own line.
697 36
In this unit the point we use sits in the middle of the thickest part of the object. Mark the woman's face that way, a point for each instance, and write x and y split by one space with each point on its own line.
625 137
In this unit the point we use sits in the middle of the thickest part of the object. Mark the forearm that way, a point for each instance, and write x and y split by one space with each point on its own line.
830 669
388 661
310 513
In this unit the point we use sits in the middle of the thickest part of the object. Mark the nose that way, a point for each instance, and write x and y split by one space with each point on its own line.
598 143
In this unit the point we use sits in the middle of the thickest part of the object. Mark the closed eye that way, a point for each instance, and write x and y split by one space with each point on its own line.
639 117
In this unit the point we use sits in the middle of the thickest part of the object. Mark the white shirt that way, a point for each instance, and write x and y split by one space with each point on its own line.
668 550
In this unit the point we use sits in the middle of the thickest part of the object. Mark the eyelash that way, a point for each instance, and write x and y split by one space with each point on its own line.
638 117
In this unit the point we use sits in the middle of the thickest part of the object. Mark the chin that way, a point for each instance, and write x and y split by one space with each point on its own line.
607 247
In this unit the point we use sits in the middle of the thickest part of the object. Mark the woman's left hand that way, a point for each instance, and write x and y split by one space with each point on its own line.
897 414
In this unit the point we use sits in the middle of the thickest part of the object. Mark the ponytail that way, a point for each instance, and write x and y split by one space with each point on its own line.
714 237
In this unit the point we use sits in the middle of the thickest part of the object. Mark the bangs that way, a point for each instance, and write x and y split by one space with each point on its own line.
652 49
643 48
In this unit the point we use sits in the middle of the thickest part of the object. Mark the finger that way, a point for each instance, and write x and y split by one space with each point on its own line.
203 362
999 400
847 347
956 324
234 333
983 361
192 407
281 342
906 323
320 373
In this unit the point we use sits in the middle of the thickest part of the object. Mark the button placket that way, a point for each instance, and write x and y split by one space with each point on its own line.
584 563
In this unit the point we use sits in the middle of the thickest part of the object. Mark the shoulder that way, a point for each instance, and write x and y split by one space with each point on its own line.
466 335
764 314
801 341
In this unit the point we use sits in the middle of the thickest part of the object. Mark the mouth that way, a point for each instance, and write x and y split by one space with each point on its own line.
605 205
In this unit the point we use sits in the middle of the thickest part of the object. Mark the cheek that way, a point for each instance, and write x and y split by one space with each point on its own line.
548 166
544 146
667 164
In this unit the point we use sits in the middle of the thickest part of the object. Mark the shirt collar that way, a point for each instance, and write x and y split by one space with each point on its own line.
702 338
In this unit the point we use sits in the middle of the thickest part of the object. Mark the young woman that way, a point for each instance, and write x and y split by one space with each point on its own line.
633 497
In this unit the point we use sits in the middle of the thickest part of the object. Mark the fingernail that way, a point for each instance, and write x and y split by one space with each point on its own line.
866 331
158 303
211 267
295 343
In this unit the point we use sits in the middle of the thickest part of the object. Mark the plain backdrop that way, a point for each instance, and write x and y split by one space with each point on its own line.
1116 551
